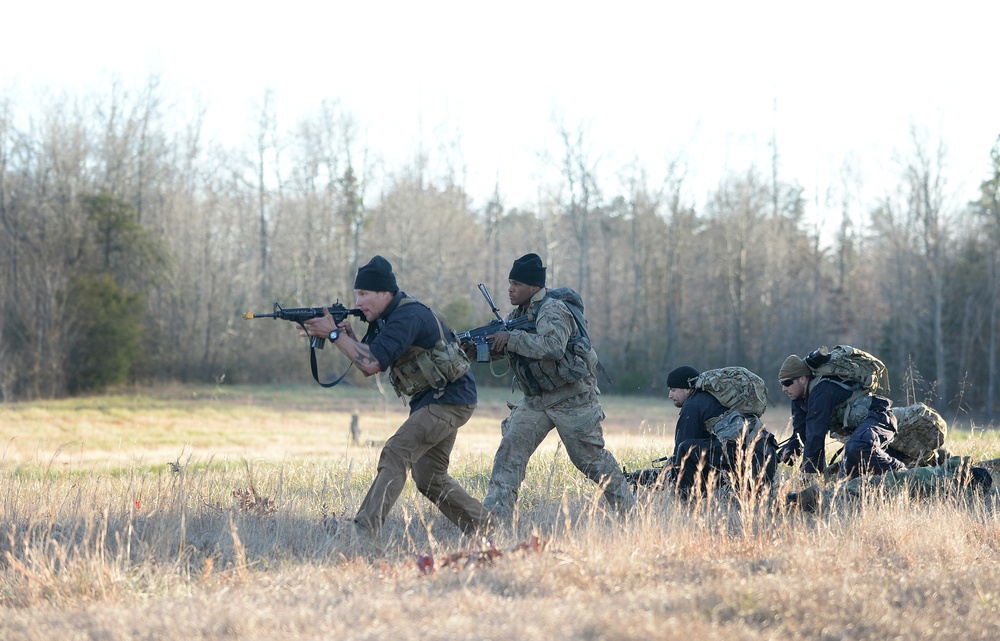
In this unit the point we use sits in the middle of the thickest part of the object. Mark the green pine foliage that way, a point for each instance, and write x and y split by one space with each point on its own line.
109 323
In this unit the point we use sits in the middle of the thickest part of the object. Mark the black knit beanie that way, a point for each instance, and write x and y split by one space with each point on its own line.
682 377
376 276
528 269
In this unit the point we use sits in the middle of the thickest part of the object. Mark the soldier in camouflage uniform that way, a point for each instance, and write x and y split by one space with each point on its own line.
554 366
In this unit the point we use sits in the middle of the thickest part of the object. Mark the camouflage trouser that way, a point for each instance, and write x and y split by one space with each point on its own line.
577 420
422 446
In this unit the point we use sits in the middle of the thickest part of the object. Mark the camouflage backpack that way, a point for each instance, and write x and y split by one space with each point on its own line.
743 393
574 302
920 431
853 369
581 344
858 367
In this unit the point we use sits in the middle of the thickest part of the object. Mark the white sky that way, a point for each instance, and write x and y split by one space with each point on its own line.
645 79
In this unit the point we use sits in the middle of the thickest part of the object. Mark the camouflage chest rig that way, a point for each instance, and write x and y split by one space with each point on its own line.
578 361
420 369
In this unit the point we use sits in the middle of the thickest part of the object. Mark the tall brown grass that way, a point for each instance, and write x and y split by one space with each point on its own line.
223 547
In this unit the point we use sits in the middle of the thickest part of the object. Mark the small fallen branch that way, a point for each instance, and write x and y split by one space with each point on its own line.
484 556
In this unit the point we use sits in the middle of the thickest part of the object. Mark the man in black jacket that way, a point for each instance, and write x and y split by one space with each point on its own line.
814 406
697 450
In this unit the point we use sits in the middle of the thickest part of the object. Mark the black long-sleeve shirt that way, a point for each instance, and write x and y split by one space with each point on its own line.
698 408
402 326
811 419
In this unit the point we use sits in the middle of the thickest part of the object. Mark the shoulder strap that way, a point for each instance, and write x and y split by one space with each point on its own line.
312 366
574 303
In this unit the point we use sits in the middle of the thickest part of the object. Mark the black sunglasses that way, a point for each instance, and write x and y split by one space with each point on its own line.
787 382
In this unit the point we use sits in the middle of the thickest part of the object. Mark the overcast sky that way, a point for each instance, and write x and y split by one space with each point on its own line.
710 80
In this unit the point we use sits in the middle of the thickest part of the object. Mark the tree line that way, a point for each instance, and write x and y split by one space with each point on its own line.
130 245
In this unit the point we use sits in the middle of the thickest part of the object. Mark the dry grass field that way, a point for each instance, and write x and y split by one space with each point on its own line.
197 513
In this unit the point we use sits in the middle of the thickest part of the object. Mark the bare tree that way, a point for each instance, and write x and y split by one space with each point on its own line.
926 201
267 153
580 197
988 208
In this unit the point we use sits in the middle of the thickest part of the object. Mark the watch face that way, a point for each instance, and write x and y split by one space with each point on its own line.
334 334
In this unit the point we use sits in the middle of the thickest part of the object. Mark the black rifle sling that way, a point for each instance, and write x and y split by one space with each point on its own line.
315 370
312 366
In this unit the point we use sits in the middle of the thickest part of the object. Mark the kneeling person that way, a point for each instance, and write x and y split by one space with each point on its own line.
699 450
819 404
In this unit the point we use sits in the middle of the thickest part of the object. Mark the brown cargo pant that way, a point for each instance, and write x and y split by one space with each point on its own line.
422 446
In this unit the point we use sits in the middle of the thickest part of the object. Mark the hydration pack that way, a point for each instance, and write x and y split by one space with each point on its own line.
920 431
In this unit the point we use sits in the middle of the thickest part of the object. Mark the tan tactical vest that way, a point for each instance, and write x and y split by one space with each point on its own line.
420 369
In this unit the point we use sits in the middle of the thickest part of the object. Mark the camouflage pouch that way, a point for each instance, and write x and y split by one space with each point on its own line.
920 432
735 426
848 416
419 369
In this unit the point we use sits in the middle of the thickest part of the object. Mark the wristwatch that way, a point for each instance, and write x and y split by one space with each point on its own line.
334 334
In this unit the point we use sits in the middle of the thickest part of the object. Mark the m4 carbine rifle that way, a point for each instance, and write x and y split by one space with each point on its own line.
661 473
300 315
479 335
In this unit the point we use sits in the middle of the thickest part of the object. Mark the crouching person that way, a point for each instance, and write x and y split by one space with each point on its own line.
718 430
834 396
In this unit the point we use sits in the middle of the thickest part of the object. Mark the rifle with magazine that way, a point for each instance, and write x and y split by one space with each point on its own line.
658 475
480 336
300 315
